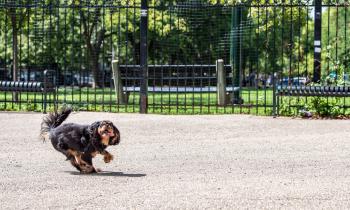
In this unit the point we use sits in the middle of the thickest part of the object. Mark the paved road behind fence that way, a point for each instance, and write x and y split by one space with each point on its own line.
182 162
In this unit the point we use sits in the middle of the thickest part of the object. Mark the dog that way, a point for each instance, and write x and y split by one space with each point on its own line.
79 143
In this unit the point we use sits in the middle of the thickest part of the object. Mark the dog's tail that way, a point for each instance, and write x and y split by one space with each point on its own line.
53 120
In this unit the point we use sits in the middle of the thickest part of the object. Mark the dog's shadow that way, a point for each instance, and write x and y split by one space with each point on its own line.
106 173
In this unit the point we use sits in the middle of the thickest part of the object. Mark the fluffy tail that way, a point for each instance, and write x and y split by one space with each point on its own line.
53 120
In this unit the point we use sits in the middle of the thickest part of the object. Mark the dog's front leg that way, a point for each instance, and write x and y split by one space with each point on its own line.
107 157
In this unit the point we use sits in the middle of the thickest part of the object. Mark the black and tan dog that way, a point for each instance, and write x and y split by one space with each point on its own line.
79 143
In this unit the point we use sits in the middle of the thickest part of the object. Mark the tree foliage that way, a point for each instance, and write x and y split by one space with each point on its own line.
81 35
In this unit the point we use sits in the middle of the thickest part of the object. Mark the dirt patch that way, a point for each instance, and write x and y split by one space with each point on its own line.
186 162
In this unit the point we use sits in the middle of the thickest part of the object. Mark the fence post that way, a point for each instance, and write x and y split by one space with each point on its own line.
221 82
317 40
235 51
118 85
143 57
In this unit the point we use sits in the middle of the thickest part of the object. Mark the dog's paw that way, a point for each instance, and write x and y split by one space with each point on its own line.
108 158
87 169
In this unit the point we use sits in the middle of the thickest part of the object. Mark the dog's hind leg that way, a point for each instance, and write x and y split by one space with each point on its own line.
75 154
77 161
75 164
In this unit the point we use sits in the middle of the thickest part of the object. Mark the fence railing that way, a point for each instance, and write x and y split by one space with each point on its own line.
167 53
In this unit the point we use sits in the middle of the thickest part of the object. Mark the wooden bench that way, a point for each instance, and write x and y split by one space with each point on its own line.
45 87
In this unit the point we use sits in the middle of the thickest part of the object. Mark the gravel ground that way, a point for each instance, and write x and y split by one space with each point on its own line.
182 162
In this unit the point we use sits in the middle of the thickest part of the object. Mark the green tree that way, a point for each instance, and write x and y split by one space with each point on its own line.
335 41
15 17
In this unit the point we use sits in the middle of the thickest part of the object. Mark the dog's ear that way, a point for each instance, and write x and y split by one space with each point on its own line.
93 128
116 137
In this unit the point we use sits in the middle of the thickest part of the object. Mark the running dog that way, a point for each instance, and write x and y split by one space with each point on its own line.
79 143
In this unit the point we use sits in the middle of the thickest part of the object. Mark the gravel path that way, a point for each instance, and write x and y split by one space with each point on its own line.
182 162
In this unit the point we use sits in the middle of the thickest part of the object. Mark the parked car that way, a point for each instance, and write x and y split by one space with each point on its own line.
32 75
85 80
68 79
333 75
295 81
4 74
299 81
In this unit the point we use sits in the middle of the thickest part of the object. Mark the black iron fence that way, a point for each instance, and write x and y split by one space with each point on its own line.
166 53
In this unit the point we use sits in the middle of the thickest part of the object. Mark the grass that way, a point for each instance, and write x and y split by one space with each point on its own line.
256 101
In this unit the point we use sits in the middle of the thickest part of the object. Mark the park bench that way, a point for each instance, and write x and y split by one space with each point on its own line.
178 84
186 90
174 89
45 87
318 91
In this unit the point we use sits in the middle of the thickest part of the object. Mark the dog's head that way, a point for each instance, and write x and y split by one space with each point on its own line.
106 131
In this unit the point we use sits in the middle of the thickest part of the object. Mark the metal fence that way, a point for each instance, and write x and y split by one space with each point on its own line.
167 53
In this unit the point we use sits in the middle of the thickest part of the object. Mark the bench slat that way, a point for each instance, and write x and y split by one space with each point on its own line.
20 86
333 91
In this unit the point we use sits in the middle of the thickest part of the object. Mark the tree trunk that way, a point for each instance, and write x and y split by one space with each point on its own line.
93 47
94 50
93 55
95 69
